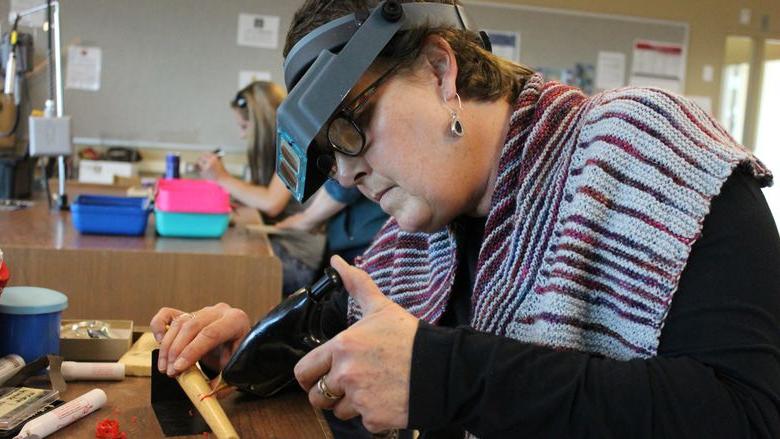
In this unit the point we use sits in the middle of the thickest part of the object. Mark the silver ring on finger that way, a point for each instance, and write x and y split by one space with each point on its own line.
325 391
187 315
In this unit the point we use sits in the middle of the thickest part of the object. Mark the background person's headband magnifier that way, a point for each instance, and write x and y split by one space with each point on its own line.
322 68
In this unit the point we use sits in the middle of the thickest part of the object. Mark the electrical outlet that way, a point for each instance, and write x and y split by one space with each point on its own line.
707 73
744 16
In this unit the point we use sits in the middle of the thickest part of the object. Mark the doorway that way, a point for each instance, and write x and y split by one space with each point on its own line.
768 131
734 88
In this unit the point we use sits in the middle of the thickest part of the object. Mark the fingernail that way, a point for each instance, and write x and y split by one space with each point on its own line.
161 363
179 364
158 337
170 370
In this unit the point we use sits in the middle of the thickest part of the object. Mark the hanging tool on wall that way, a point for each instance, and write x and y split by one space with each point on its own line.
50 135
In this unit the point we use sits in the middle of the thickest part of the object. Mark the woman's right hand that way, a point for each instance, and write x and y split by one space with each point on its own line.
211 167
209 335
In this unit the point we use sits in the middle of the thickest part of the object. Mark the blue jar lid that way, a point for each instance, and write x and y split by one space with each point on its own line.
31 300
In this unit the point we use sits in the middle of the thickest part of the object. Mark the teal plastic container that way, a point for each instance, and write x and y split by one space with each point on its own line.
190 225
30 321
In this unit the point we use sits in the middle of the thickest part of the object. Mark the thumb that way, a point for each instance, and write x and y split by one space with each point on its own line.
360 286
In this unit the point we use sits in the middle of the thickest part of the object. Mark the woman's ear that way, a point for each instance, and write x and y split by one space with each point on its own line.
437 53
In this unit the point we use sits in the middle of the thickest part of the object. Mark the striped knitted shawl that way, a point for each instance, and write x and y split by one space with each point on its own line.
597 203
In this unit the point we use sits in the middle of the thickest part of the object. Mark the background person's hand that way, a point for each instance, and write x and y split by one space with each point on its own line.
368 363
209 335
211 167
299 221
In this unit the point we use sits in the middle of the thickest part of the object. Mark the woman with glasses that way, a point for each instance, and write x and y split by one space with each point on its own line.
556 265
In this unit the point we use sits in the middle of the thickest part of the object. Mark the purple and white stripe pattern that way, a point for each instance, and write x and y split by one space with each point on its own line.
597 203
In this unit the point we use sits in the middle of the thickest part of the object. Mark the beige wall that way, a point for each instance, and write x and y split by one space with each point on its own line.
710 22
773 51
738 50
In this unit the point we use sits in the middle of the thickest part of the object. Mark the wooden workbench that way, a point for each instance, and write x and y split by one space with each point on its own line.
118 277
287 415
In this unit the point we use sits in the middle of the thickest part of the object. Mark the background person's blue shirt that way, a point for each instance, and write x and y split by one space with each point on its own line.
351 231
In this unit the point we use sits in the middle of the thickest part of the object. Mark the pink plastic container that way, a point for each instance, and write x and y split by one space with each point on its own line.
191 196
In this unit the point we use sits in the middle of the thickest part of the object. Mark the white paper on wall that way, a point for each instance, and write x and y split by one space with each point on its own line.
258 31
505 44
658 64
83 69
246 77
610 70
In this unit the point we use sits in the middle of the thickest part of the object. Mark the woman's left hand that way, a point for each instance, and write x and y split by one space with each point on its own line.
369 363
299 221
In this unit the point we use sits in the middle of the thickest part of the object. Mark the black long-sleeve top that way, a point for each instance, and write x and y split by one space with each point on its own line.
716 374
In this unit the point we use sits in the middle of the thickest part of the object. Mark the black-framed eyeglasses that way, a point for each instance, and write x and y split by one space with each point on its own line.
344 133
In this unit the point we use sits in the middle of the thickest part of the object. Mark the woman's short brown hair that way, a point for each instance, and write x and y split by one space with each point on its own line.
482 76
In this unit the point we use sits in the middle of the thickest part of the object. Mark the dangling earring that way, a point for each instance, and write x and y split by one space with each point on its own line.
456 127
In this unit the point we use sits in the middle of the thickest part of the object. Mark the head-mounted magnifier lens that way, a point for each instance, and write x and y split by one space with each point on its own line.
320 71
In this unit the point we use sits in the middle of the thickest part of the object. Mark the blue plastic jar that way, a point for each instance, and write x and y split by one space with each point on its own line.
30 321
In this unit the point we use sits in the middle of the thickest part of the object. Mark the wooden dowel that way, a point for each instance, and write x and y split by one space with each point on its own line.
196 386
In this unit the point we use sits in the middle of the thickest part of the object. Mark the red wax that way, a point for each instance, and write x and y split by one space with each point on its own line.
109 429
4 275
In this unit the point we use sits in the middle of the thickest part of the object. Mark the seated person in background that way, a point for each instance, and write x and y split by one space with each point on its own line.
352 219
255 109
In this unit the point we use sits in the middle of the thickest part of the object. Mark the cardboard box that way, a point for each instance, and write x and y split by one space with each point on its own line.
98 349
104 171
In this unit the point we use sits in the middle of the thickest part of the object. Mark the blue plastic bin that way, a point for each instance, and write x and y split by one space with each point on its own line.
30 321
104 215
190 225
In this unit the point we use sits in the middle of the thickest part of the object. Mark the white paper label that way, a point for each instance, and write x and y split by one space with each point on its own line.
611 70
258 31
658 64
84 66
246 77
505 44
